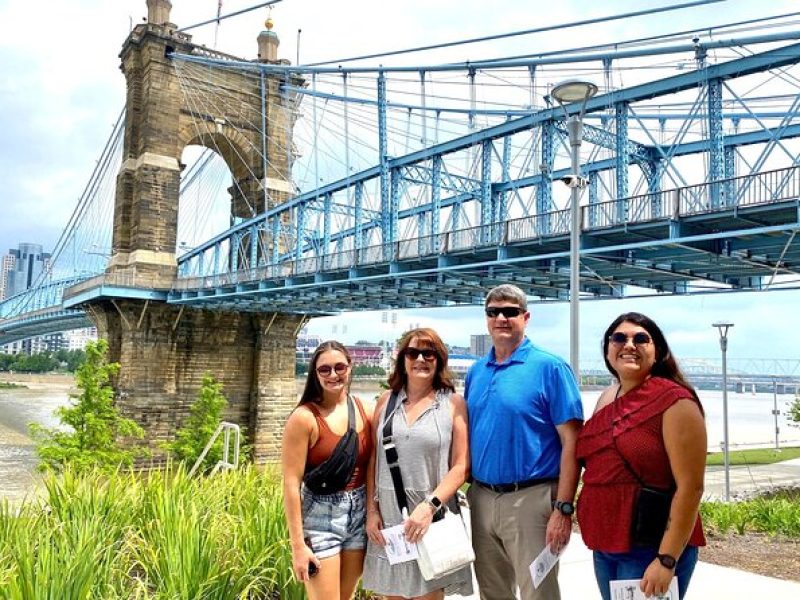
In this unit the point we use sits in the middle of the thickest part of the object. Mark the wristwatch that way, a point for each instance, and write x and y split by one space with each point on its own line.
433 502
565 507
667 561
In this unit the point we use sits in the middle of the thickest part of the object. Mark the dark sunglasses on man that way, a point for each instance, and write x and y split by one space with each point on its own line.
509 312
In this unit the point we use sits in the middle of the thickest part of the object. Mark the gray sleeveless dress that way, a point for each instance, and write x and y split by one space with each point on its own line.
424 451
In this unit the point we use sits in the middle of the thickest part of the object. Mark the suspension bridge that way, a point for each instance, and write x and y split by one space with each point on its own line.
237 198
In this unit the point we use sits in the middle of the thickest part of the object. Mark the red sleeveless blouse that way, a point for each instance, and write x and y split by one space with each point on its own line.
606 502
327 441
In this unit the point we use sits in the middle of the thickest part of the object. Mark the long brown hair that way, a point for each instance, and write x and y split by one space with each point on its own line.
312 392
665 366
442 378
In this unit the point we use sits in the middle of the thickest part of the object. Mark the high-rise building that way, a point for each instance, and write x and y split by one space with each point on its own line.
479 345
6 265
29 261
78 338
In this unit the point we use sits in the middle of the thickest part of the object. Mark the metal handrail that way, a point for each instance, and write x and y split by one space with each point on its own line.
225 463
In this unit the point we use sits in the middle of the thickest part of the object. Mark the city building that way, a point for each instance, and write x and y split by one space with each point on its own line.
78 338
479 345
366 354
305 346
12 348
29 262
6 265
459 364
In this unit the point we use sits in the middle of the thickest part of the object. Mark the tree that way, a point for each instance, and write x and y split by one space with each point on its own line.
205 416
794 409
96 432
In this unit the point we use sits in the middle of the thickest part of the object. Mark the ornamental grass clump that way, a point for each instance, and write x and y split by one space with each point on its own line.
158 535
777 513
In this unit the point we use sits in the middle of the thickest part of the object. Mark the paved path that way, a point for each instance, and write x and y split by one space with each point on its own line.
746 480
710 582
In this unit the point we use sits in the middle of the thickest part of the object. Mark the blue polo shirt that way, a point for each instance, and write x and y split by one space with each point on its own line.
513 410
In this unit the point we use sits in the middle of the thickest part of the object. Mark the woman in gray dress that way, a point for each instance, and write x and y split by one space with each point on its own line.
429 430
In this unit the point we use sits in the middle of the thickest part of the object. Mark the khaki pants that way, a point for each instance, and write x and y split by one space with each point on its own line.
508 533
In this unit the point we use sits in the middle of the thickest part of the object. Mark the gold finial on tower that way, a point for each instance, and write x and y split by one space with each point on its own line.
268 24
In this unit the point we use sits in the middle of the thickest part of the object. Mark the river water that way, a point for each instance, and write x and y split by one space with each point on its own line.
750 419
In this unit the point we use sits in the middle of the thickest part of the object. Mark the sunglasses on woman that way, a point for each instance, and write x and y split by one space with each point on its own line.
639 339
509 312
426 353
338 368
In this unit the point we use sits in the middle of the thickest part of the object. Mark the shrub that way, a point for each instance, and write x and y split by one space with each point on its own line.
205 415
96 433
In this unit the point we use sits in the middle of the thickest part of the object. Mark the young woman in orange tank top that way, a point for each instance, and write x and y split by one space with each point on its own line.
327 532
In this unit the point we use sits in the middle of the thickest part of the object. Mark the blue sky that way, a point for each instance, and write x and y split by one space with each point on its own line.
61 90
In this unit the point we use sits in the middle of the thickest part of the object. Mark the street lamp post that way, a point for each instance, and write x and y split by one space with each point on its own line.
567 92
775 411
723 327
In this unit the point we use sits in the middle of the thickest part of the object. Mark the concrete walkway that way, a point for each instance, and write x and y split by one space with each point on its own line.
747 480
576 573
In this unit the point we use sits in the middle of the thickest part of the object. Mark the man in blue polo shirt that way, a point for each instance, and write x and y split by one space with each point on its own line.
525 413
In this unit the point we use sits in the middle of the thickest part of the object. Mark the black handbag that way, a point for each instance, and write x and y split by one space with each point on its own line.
650 510
650 516
334 473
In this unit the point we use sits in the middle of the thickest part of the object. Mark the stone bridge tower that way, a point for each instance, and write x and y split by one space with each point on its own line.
164 350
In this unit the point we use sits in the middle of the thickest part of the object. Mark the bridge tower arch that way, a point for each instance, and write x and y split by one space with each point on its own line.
163 349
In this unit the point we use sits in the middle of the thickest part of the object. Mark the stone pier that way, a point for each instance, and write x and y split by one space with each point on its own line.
165 350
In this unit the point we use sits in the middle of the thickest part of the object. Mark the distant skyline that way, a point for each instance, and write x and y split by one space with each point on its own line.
61 90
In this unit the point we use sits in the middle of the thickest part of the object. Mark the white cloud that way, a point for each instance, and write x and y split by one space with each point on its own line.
61 89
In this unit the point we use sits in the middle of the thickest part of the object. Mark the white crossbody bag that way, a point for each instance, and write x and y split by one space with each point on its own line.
446 547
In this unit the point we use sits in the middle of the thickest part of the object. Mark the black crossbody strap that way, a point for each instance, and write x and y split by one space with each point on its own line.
351 413
337 454
392 459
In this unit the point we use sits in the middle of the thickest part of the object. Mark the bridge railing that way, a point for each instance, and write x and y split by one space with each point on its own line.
763 188
121 279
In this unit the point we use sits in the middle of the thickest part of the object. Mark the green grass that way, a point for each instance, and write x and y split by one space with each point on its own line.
159 536
755 456
777 513
5 385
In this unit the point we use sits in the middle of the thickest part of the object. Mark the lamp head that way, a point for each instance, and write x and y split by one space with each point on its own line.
573 90
723 327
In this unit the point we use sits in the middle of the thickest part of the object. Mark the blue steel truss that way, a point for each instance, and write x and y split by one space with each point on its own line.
706 201
534 244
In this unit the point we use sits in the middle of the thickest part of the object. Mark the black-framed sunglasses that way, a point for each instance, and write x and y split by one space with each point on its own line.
639 338
509 312
338 368
427 353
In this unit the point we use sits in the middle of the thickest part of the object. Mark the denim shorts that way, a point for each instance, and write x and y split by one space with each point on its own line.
335 522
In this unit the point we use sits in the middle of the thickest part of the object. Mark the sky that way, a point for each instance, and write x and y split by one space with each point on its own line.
61 91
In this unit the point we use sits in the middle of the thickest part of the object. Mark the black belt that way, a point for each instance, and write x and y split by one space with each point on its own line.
504 488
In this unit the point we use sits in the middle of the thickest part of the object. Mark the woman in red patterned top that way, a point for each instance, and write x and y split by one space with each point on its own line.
648 428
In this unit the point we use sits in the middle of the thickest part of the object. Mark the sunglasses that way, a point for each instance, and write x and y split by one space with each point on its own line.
426 353
338 368
509 312
639 339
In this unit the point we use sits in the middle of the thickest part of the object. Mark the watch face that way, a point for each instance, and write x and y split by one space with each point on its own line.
666 560
565 508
